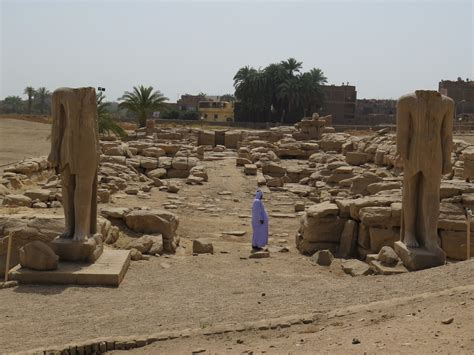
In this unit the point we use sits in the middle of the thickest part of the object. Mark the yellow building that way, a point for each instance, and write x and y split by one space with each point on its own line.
218 111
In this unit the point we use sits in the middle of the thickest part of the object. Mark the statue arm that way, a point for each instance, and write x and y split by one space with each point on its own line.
447 137
403 129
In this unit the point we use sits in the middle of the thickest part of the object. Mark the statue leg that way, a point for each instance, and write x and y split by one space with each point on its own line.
429 206
82 204
410 209
68 184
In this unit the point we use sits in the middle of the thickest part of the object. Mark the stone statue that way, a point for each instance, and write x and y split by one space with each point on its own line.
424 143
75 155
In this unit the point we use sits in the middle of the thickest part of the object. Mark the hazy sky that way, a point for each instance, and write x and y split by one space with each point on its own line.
385 48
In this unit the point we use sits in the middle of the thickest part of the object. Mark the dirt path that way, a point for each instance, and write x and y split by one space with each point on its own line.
202 291
21 139
402 325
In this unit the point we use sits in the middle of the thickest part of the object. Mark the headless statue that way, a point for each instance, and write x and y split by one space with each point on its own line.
75 155
424 142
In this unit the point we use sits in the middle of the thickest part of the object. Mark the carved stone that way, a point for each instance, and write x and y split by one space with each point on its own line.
424 143
75 155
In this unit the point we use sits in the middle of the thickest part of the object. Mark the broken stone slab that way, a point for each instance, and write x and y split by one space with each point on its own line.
355 267
114 212
13 200
283 215
259 254
381 269
202 247
236 233
388 256
250 169
323 258
41 195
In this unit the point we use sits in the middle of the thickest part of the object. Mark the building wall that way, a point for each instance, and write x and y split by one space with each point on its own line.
217 111
340 102
462 92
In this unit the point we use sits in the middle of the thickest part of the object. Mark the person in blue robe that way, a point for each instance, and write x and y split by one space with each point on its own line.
259 222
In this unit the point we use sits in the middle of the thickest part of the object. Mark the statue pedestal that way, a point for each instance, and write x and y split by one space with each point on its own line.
86 251
419 258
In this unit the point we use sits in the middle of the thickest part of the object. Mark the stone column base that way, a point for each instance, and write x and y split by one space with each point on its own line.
419 258
86 251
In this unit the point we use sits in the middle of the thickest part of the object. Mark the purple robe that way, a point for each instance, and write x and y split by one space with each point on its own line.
260 231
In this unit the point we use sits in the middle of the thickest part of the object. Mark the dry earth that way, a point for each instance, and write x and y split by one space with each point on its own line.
20 139
199 292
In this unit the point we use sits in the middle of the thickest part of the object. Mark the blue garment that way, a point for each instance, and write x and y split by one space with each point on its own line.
260 230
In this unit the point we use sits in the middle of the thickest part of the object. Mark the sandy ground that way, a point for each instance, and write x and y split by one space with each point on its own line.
21 139
184 291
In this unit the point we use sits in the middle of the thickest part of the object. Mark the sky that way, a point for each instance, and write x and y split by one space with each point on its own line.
384 48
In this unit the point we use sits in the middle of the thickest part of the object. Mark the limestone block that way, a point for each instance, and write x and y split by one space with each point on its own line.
323 258
153 221
388 256
356 158
454 244
38 256
38 194
325 229
202 247
376 216
348 239
206 138
17 201
232 139
380 237
355 267
250 169
158 173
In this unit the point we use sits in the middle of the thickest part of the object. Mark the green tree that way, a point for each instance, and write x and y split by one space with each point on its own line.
105 121
42 97
143 101
12 104
278 92
30 92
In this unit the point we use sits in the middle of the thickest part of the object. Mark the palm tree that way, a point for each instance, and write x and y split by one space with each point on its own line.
30 91
143 101
42 95
106 123
291 65
290 91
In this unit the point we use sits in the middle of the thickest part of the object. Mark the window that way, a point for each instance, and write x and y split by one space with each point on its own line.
205 115
216 116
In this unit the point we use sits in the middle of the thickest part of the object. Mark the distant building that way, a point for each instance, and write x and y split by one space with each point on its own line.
218 111
462 92
189 102
373 112
340 102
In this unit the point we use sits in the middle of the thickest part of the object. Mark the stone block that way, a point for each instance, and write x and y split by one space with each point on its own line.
381 269
355 267
348 239
83 251
323 258
250 169
38 256
108 270
356 158
380 237
454 244
419 258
